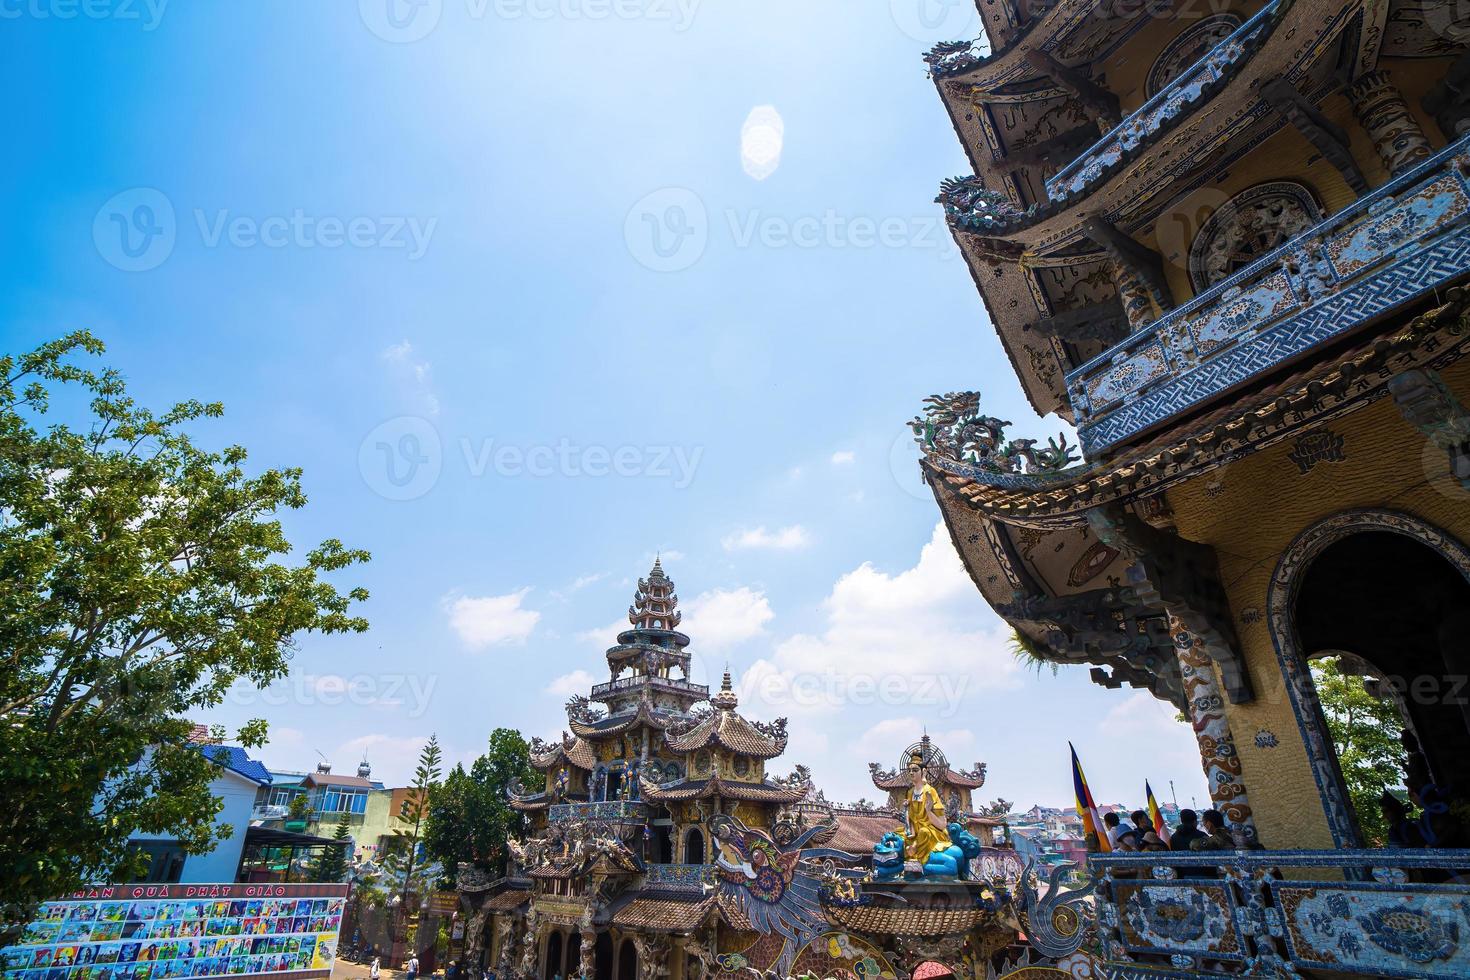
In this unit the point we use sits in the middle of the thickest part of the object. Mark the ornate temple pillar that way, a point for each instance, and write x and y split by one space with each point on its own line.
1382 111
1211 729
676 957
1134 296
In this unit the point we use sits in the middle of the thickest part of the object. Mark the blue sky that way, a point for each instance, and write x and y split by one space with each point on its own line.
534 289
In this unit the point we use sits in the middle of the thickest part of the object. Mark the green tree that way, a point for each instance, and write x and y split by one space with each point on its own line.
403 857
331 863
299 809
139 580
470 818
1365 733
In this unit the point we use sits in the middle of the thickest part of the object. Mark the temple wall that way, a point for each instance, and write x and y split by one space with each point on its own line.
1128 68
1251 512
1285 155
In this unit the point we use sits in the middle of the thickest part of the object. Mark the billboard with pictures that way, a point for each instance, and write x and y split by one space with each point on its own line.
158 932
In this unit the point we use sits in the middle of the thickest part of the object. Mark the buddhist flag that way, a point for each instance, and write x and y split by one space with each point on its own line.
1154 814
1092 825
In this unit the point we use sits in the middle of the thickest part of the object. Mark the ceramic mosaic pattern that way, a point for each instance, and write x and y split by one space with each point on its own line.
1287 303
1170 102
1386 931
1177 917
1422 214
1128 375
1211 729
1226 321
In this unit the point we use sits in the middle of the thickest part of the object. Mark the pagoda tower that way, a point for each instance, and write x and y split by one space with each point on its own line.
1229 245
619 846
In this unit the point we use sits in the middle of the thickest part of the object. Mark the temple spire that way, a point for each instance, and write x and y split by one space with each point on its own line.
726 700
655 604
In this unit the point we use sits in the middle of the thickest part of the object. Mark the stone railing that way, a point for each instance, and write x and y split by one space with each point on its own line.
1285 913
649 680
611 811
1168 103
1387 250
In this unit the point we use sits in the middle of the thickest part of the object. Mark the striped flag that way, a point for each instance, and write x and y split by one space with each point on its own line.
1155 815
1092 825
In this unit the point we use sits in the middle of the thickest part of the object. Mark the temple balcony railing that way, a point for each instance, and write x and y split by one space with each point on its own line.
689 878
1385 251
1287 913
1180 95
610 811
648 680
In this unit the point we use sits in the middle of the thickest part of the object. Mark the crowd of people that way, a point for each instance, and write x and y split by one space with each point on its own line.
1188 835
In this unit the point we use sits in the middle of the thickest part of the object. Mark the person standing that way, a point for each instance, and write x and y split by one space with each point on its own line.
1186 833
376 969
413 967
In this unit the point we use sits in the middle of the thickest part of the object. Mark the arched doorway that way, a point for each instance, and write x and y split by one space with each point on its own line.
1388 595
627 961
552 968
694 852
571 950
603 958
661 845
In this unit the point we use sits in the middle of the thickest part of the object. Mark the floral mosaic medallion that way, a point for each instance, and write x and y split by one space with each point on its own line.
1378 932
1177 917
1249 225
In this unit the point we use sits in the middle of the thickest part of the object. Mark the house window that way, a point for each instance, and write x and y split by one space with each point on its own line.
343 801
165 860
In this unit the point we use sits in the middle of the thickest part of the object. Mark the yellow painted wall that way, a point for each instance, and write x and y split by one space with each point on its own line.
1287 155
1126 71
1250 512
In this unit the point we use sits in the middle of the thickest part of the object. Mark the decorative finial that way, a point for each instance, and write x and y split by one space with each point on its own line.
726 700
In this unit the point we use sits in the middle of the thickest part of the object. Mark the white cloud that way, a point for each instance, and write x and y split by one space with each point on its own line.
577 682
761 139
484 621
721 618
843 457
603 637
921 639
884 741
782 539
416 376
392 757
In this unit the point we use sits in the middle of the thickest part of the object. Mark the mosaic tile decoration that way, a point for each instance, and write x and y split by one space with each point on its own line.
1172 100
1377 929
1378 254
1169 917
